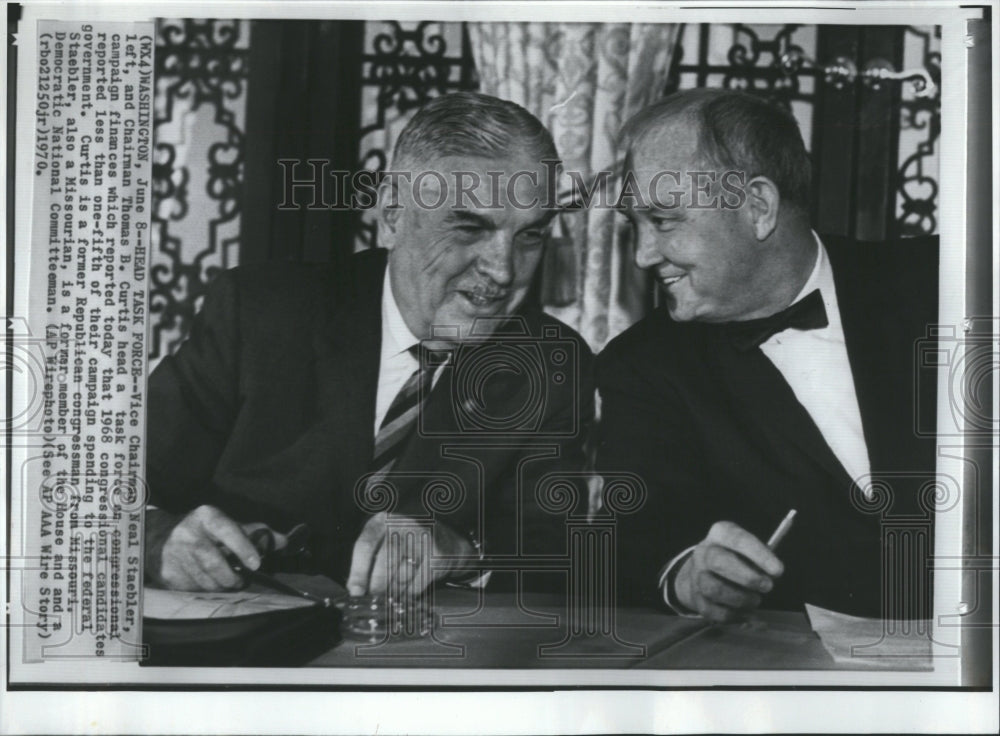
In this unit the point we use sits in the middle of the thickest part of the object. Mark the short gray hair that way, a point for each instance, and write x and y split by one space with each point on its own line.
472 124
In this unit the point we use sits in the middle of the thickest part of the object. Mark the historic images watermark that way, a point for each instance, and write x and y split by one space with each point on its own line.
313 185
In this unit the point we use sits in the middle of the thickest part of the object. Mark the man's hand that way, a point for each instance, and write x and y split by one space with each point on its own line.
189 554
401 564
727 573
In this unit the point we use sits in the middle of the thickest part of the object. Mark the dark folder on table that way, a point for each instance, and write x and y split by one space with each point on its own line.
254 627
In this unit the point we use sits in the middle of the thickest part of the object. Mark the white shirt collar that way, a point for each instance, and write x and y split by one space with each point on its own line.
822 278
396 336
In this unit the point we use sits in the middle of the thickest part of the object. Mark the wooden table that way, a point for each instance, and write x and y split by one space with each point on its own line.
482 629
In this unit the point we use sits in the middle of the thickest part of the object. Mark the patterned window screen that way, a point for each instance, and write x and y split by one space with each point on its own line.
200 105
202 77
405 64
748 57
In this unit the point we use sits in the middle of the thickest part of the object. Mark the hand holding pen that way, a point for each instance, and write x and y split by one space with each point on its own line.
727 574
783 528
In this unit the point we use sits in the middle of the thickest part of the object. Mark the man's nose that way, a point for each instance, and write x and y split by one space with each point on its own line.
496 259
647 254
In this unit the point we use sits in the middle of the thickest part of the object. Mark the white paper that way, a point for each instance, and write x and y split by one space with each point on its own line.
872 642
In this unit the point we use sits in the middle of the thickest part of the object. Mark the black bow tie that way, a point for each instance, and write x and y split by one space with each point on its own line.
805 314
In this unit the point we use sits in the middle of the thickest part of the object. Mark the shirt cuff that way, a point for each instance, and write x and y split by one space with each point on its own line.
667 577
477 583
476 580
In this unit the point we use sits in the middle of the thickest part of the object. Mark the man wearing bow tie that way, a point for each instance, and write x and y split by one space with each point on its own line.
778 376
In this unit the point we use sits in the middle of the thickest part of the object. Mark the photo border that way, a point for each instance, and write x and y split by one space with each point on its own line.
953 532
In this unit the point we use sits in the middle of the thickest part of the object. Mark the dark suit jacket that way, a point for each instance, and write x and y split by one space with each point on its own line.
267 412
717 434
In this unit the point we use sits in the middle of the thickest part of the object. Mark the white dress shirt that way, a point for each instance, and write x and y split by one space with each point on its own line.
816 367
396 363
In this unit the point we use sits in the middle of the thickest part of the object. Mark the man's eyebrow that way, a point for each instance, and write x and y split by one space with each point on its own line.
469 217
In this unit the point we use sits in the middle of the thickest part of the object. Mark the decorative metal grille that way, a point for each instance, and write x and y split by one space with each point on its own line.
409 67
920 129
753 63
405 65
201 70
201 79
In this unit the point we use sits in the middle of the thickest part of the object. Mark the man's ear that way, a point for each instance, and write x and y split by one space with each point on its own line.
387 213
764 202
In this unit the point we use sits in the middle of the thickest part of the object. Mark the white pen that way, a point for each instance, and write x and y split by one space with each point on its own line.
781 531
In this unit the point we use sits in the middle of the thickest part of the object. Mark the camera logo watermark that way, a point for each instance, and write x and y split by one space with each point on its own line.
967 356
502 381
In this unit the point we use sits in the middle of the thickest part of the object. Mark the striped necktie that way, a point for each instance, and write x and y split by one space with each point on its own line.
400 419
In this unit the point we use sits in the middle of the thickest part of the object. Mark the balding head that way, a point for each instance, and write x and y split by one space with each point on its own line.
720 211
733 131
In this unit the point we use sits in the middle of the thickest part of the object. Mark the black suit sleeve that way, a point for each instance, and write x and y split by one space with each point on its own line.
645 430
192 403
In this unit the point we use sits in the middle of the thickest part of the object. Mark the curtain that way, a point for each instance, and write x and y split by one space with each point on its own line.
583 81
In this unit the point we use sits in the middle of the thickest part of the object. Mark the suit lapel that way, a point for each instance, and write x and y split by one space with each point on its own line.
439 426
879 356
769 405
424 459
436 423
347 350
879 349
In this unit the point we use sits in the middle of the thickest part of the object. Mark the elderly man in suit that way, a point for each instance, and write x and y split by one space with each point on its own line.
778 375
304 396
